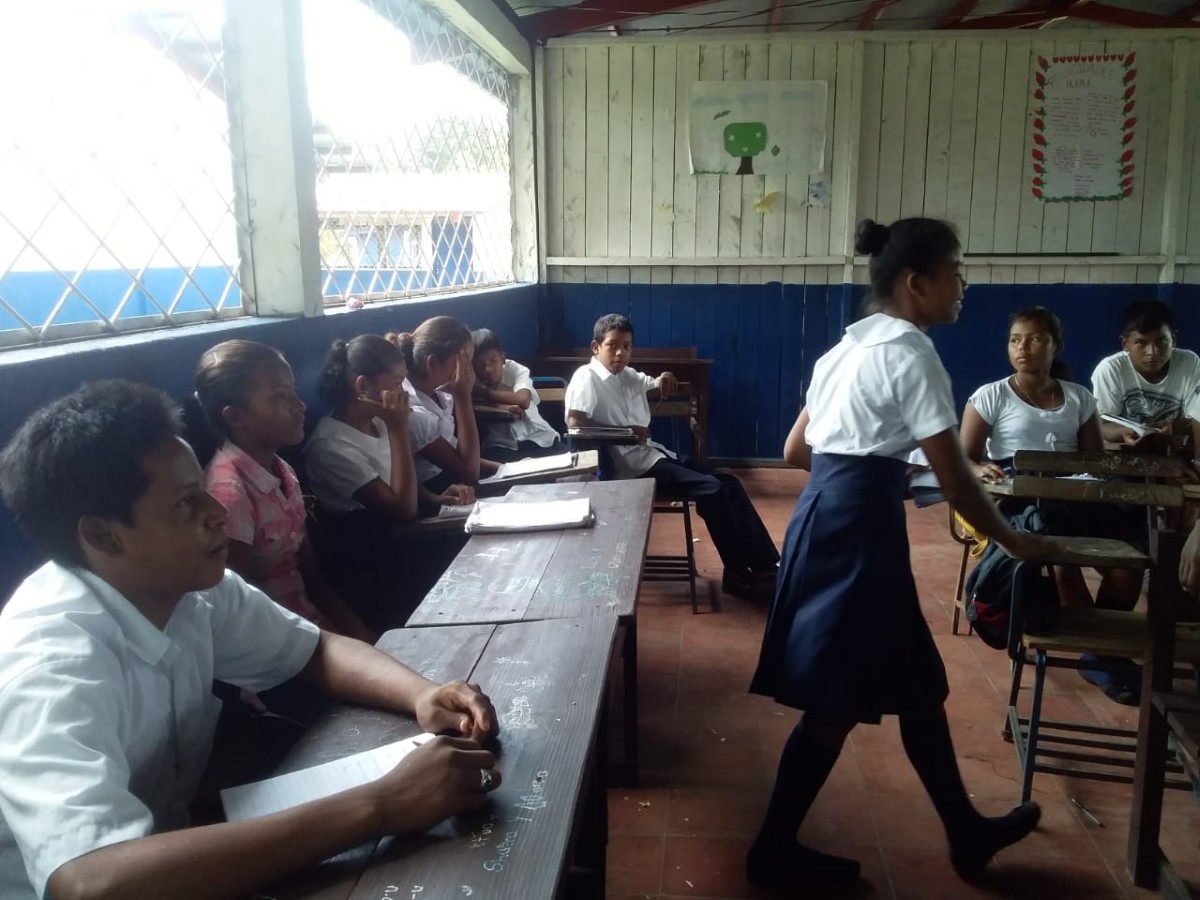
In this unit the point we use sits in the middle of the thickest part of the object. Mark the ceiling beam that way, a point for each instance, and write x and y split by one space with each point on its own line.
867 22
1022 18
1189 12
1129 18
595 14
960 11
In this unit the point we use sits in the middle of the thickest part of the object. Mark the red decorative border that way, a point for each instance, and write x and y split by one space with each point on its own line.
1039 122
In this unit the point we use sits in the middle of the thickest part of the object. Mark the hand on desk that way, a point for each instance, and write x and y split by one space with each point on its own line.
457 706
457 495
437 780
1033 546
989 472
641 432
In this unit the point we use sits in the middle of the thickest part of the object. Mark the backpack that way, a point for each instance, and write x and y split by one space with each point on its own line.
989 589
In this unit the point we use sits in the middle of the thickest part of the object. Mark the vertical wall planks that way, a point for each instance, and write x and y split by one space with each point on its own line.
596 163
708 211
1104 215
662 215
752 187
989 112
962 137
574 149
1032 212
824 69
1055 216
847 131
779 68
552 79
729 225
620 148
795 216
1011 183
937 149
891 132
641 200
916 128
1081 214
687 69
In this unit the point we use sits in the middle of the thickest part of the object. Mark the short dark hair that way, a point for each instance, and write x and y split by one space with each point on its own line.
484 340
918 244
225 376
1146 316
611 322
367 354
82 456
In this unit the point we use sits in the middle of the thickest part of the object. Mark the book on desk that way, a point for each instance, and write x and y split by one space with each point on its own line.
507 516
533 465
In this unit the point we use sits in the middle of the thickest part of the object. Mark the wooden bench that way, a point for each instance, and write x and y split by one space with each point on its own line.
1182 714
543 834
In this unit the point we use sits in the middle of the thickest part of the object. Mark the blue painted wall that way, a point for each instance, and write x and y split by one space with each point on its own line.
31 378
764 339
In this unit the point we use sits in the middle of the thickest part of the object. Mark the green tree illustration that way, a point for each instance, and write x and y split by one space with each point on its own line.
745 140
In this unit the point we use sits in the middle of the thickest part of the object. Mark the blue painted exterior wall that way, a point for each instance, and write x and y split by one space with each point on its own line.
31 378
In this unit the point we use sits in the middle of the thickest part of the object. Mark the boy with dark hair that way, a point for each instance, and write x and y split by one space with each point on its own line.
107 657
607 392
1151 381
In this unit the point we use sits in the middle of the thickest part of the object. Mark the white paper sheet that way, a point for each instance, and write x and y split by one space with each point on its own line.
532 465
501 515
272 795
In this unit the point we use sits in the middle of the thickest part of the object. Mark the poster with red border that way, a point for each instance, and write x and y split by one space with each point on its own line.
1083 127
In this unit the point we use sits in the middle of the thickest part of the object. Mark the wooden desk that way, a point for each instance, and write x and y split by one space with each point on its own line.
693 374
485 413
546 680
558 574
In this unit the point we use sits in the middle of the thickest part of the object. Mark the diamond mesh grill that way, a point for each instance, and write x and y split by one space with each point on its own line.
116 191
411 137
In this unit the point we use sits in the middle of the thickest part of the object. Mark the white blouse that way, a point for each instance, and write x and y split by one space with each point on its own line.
1016 425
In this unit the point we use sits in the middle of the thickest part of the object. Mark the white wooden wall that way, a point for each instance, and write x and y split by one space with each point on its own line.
933 124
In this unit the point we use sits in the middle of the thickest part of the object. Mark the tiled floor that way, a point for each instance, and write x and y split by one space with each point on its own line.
709 752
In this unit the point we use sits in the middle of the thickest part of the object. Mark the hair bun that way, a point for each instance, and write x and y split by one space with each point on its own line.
870 237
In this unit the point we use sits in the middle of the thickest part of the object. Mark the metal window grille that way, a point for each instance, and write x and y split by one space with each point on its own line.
116 186
411 137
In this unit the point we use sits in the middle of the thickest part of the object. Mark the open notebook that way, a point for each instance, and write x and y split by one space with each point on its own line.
496 516
531 466
272 795
1136 427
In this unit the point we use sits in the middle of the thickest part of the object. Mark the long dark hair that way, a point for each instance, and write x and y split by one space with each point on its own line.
368 355
918 244
438 339
225 376
1052 325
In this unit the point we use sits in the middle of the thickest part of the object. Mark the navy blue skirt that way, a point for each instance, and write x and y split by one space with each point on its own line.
846 636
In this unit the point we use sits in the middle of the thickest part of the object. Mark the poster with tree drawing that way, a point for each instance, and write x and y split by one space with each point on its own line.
757 127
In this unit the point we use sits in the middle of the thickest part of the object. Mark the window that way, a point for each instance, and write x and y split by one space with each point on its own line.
116 188
411 136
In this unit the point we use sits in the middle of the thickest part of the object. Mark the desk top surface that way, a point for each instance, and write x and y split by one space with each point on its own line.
550 574
546 680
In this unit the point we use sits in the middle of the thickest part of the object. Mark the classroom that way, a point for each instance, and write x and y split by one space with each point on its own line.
721 184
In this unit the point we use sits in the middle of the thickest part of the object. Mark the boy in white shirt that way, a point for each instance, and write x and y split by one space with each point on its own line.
107 658
1151 381
607 392
506 383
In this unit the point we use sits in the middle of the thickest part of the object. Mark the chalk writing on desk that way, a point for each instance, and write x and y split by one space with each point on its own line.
535 797
520 715
509 661
532 683
619 552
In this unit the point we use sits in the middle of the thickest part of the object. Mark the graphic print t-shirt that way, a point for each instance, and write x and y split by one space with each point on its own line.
1121 391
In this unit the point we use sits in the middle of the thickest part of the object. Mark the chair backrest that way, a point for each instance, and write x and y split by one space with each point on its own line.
655 353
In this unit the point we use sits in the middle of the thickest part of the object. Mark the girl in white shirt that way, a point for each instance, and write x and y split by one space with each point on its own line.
846 641
441 377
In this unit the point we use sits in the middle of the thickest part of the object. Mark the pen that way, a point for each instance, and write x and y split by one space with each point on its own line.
1087 813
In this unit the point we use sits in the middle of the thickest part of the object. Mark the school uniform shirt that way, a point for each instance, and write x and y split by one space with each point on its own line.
1018 426
339 459
266 512
1121 391
515 377
879 392
432 417
106 722
618 400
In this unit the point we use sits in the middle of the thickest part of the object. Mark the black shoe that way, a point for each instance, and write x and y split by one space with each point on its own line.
972 851
798 866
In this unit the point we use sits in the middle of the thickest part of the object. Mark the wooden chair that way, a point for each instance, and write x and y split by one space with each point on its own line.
1102 753
968 542
680 566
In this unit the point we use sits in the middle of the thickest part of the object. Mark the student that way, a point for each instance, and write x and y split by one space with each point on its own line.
1151 381
506 383
107 657
845 640
440 380
1038 408
607 392
359 456
248 395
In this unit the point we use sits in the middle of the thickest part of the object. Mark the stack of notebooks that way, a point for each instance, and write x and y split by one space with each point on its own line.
502 515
